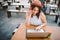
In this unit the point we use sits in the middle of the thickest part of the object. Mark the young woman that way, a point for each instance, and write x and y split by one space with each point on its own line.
36 18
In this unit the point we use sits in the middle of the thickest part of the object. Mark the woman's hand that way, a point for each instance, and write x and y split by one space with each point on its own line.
38 28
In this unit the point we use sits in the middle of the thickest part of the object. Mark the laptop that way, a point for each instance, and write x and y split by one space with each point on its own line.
36 33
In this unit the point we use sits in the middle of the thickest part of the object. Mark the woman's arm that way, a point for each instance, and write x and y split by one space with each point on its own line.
43 18
28 16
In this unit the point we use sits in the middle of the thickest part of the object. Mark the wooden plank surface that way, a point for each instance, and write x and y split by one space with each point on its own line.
25 4
20 34
15 4
17 10
53 14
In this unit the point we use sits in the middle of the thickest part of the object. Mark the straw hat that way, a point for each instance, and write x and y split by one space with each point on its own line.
37 3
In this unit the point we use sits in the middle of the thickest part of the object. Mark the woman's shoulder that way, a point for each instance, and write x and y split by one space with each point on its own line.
42 14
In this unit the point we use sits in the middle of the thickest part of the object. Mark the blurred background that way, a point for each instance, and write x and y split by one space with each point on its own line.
9 22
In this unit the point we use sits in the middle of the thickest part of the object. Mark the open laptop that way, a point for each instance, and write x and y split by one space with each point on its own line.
35 33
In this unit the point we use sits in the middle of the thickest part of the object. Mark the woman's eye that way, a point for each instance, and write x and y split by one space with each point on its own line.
35 10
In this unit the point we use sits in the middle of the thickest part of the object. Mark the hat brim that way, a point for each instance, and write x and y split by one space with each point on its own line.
37 3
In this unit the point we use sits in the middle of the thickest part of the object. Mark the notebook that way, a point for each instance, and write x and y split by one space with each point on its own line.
35 33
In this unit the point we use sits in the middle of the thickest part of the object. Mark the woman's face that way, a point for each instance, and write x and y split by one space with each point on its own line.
35 10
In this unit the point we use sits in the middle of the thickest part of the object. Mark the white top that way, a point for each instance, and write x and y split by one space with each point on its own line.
35 20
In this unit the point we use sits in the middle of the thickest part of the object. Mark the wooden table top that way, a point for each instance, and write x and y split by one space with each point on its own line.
20 4
17 4
21 33
17 10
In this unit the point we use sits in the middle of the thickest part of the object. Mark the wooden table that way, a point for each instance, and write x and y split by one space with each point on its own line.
4 6
25 4
21 33
15 11
52 7
17 4
56 16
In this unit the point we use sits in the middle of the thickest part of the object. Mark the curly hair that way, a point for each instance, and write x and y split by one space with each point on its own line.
37 14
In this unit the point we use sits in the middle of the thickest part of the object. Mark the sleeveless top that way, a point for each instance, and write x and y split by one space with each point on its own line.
35 20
